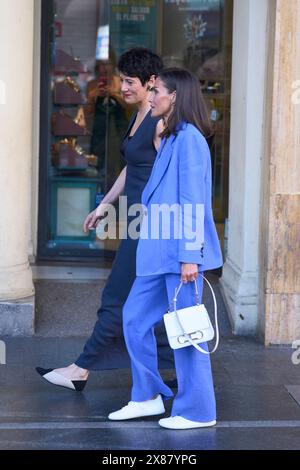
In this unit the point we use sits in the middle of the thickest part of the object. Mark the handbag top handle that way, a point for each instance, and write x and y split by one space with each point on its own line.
198 303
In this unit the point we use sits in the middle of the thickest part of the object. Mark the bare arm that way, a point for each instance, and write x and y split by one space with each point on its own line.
116 189
93 218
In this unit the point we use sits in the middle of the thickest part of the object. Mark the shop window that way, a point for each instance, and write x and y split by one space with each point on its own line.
82 123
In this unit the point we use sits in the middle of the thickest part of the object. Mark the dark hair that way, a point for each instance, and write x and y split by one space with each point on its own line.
190 105
140 62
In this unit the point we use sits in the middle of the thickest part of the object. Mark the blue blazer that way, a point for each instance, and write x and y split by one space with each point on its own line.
181 175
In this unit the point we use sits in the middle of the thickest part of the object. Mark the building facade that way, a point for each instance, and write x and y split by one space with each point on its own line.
60 140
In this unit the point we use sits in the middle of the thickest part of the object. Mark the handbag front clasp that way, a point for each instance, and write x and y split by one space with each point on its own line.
196 335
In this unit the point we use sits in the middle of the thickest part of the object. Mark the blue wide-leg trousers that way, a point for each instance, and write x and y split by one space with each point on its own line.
145 306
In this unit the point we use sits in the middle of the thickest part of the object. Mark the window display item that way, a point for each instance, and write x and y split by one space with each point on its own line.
63 124
67 92
68 155
65 63
80 117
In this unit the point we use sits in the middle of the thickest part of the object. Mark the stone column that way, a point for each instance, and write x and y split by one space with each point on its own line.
16 59
239 281
279 319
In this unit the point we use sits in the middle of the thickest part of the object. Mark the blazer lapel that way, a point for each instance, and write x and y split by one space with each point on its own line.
160 166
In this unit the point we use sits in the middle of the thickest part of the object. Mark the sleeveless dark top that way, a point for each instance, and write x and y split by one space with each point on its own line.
139 153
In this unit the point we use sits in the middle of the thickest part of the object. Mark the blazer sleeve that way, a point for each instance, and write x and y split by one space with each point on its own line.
193 159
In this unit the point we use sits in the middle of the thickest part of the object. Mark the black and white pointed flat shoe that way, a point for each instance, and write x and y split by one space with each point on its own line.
57 379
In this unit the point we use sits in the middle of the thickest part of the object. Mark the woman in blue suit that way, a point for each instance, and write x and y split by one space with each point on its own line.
178 240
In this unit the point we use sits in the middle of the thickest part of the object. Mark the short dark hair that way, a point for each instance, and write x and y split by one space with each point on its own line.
141 63
189 105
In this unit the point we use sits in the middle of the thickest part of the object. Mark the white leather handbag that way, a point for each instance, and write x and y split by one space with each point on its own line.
191 326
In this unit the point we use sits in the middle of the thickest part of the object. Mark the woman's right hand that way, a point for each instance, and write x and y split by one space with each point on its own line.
94 217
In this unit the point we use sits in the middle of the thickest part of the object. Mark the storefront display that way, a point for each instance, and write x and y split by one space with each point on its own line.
83 115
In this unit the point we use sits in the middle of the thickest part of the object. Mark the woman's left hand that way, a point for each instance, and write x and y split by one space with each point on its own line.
189 272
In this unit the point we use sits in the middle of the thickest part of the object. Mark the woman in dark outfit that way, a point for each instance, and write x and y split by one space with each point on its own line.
138 69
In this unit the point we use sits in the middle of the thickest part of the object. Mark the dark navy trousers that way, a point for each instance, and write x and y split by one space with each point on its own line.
109 323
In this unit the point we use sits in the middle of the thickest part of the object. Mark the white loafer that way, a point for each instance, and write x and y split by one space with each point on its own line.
178 422
138 409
